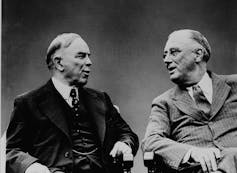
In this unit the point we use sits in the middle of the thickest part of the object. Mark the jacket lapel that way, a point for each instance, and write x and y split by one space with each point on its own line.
96 108
185 103
220 93
50 105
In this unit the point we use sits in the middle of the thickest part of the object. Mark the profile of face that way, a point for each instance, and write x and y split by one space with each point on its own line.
75 62
181 57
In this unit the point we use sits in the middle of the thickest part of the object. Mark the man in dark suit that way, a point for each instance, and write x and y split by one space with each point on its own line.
64 127
194 123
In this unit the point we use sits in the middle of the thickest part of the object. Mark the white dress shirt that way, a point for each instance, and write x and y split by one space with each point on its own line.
64 90
206 85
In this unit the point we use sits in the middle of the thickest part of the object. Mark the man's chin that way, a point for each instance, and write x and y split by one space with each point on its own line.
81 83
175 79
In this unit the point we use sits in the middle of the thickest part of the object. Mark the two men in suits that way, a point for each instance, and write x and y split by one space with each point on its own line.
64 127
194 124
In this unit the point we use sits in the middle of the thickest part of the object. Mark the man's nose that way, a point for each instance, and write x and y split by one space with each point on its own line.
167 58
88 61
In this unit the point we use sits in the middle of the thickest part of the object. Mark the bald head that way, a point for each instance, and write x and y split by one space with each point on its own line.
61 41
197 37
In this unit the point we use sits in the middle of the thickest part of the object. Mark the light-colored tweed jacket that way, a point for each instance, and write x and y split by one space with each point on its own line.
176 124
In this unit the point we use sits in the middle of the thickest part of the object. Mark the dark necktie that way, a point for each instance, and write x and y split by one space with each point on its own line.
200 99
75 101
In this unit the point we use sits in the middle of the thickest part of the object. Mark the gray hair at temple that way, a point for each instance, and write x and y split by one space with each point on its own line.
61 41
199 38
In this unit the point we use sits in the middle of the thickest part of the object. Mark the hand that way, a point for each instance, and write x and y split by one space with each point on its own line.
37 168
206 157
120 148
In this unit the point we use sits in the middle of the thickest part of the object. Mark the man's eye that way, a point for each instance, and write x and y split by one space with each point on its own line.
81 56
174 52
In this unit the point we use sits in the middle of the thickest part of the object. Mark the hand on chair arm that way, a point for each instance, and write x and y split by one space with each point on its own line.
37 168
207 157
120 148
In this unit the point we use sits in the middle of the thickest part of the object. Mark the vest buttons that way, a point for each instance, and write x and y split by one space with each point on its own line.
66 154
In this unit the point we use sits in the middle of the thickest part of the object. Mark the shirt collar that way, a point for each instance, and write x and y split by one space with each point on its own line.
62 88
206 85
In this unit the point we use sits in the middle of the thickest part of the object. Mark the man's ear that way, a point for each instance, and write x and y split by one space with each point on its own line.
58 63
199 55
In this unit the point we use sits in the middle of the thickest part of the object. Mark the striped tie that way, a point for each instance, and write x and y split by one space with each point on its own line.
200 99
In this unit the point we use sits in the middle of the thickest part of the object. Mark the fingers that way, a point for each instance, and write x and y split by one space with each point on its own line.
217 172
47 170
37 168
114 151
212 165
206 157
120 147
203 164
210 162
217 153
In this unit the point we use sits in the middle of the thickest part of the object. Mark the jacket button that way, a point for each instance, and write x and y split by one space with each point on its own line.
66 154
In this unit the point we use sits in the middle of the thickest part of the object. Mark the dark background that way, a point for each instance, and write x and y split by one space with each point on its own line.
126 38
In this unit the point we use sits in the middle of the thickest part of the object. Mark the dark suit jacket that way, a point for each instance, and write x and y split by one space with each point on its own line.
38 131
176 124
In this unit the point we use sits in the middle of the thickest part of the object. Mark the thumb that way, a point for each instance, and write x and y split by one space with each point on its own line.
114 151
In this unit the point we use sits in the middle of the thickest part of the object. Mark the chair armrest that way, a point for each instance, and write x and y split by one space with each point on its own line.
150 162
155 164
125 161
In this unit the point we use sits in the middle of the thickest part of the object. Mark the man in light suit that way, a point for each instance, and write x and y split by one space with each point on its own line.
189 128
64 127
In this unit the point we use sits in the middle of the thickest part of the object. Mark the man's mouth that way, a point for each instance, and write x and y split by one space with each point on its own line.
86 73
171 69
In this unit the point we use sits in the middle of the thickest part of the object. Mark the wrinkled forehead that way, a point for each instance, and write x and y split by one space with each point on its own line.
180 39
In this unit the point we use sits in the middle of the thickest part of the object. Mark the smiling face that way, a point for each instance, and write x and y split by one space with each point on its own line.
76 63
181 58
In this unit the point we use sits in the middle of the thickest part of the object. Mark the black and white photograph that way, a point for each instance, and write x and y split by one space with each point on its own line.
118 86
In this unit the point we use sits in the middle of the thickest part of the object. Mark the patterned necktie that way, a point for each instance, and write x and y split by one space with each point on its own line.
200 99
75 101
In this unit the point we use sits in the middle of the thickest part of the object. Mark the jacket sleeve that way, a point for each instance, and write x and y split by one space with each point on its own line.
158 136
125 133
18 140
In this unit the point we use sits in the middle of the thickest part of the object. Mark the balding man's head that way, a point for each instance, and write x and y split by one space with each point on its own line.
198 37
68 59
61 41
185 55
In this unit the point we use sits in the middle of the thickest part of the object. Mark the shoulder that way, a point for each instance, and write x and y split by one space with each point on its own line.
164 97
95 93
98 95
231 80
34 94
